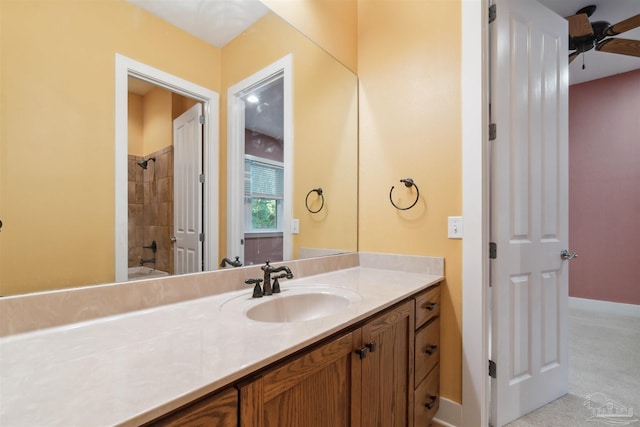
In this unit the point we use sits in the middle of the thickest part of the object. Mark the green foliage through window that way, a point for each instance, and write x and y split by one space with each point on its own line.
263 213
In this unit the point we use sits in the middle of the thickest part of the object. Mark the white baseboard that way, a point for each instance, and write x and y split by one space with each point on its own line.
607 307
449 413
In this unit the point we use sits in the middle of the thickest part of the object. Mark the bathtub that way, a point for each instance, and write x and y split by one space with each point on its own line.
137 273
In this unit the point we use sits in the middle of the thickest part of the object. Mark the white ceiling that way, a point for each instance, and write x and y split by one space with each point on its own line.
215 21
600 64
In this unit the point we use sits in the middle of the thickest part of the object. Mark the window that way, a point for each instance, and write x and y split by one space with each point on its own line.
263 195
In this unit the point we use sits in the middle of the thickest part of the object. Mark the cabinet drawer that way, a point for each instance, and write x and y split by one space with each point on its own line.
427 349
427 398
427 305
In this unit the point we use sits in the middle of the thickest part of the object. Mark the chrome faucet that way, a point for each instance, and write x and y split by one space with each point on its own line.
268 269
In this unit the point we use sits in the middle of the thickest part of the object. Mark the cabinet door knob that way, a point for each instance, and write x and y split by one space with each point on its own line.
432 349
362 352
432 306
372 346
431 403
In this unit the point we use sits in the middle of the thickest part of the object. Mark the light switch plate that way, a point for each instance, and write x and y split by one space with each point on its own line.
455 227
295 226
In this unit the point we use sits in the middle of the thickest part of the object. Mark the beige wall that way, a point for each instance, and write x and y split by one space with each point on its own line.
58 77
409 63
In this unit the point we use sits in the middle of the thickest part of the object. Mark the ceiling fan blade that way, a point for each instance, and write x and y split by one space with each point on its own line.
622 26
579 25
621 46
573 56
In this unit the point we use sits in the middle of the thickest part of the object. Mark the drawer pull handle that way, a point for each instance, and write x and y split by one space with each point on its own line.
432 349
362 352
372 346
431 306
430 404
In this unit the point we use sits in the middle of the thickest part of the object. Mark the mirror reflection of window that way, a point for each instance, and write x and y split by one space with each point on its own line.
264 171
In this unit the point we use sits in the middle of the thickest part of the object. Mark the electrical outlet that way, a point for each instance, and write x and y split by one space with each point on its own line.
455 227
295 226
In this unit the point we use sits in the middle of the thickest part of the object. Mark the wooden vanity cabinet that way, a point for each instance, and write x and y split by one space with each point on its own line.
387 371
427 356
219 409
383 372
361 378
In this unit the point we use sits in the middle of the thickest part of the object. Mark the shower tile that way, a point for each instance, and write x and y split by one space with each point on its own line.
163 214
148 174
139 193
162 165
139 171
131 191
139 218
131 169
164 189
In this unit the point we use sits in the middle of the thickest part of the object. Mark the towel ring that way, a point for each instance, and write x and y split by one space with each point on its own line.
306 200
407 183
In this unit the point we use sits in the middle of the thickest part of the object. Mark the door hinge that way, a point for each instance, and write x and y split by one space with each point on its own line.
492 369
492 13
201 178
493 250
201 120
201 237
493 131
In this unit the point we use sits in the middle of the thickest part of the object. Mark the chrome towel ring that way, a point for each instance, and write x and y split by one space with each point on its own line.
408 182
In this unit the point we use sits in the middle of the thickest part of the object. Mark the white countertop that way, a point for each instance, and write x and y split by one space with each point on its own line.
131 368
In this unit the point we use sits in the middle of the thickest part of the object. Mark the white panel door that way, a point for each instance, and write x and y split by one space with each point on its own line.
187 194
529 208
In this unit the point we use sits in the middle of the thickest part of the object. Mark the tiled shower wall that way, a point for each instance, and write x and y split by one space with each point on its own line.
151 209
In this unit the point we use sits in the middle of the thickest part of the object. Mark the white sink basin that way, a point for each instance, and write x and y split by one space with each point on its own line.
297 308
295 304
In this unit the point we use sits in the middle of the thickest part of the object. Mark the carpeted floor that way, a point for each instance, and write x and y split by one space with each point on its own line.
604 364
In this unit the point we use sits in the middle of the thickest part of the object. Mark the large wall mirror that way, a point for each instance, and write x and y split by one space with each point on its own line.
58 157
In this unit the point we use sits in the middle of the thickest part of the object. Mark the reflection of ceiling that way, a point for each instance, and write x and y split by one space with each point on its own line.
267 115
600 64
215 21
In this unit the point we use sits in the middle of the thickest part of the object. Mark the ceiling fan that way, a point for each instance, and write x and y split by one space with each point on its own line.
585 35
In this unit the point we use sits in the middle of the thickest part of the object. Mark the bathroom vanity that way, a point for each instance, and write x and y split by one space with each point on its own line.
361 376
208 361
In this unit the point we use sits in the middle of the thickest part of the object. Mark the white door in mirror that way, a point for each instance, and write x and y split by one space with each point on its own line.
455 227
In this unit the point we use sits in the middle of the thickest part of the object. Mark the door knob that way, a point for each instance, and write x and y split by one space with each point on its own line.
567 256
173 239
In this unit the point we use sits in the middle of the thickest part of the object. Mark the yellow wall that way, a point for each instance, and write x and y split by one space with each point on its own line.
57 138
135 127
325 131
158 121
409 63
330 23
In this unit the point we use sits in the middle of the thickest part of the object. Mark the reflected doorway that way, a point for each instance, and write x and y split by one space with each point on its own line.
260 159
204 165
165 151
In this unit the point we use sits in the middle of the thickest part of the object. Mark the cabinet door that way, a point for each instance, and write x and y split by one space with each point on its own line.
220 410
312 390
387 370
